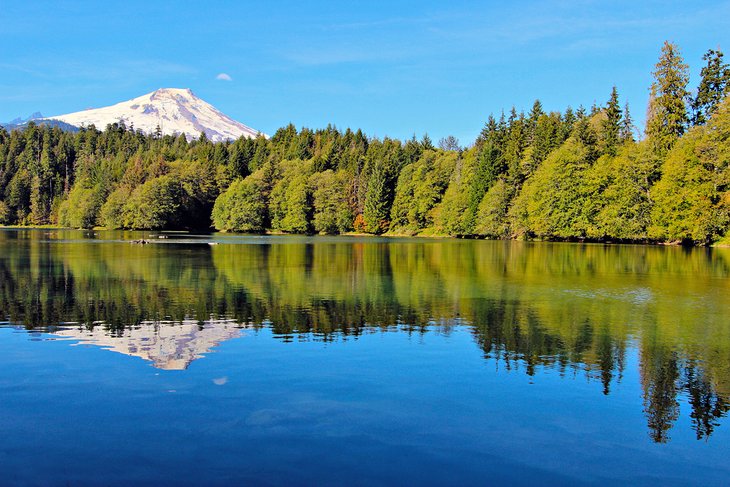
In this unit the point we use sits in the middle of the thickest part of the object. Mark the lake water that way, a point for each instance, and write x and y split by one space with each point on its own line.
360 361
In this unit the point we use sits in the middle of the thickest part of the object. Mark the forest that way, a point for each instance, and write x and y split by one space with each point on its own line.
579 174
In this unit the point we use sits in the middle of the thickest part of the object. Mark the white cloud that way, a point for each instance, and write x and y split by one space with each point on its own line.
224 77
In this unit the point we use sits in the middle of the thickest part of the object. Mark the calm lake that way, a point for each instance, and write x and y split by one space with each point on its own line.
360 361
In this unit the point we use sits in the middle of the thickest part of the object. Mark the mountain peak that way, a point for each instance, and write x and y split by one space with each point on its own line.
21 120
171 92
174 110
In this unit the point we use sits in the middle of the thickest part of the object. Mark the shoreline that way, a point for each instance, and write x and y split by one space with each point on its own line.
723 243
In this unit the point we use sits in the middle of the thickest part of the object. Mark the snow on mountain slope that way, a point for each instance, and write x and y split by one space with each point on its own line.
174 110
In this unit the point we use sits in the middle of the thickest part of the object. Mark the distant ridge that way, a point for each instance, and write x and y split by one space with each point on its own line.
22 123
174 110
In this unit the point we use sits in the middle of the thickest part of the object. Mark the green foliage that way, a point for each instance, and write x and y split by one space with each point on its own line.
552 203
492 217
155 204
585 132
490 165
241 156
242 207
622 205
693 198
200 185
627 126
714 85
545 138
611 125
667 114
18 195
332 212
182 197
298 206
426 143
421 186
81 209
374 185
375 212
451 217
5 214
290 201
113 213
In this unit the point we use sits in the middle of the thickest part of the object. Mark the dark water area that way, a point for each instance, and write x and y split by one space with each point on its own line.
282 360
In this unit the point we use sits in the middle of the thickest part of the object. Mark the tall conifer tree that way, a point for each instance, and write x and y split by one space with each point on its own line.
611 126
667 117
376 207
627 125
713 86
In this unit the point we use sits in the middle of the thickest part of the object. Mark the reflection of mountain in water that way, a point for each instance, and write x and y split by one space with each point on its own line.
169 346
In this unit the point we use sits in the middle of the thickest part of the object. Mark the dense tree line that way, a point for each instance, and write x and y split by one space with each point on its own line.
575 174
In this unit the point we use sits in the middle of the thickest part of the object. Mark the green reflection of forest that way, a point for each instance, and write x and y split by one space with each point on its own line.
576 308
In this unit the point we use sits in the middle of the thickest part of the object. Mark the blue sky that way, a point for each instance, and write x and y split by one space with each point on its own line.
391 68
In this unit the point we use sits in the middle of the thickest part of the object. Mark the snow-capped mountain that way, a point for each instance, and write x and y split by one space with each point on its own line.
174 110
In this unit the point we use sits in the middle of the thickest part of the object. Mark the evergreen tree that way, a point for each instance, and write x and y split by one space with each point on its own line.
566 128
490 165
667 113
488 132
611 125
426 143
180 145
545 138
240 157
376 209
514 146
713 86
532 119
627 126
586 135
261 153
412 149
220 154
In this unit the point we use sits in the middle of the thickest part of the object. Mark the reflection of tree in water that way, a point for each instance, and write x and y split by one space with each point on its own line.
664 377
512 333
707 406
659 374
612 357
332 292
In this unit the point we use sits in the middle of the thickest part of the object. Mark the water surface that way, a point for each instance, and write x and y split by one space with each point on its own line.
359 361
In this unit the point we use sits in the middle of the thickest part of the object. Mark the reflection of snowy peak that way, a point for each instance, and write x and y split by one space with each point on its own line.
175 111
169 346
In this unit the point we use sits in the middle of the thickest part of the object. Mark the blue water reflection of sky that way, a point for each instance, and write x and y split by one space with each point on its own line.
385 407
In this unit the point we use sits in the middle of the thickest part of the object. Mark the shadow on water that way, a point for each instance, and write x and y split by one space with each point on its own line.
529 306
